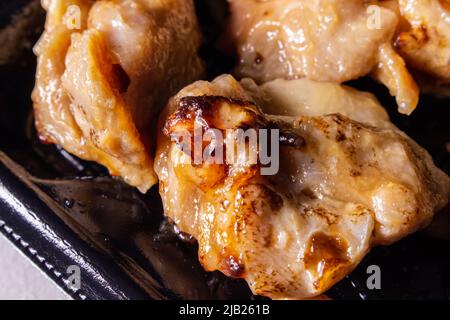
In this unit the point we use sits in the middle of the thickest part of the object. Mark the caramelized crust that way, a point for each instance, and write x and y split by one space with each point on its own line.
343 186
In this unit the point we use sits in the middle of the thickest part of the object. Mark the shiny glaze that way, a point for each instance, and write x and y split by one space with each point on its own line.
357 184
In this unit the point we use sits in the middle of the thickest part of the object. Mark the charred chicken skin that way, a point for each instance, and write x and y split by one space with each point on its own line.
348 180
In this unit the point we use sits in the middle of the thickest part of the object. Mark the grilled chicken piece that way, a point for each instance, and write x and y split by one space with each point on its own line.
305 97
426 46
100 86
322 40
348 180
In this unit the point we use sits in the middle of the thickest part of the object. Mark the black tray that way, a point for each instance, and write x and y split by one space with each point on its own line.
61 211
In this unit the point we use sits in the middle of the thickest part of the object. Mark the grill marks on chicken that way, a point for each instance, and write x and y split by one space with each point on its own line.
348 186
329 41
98 88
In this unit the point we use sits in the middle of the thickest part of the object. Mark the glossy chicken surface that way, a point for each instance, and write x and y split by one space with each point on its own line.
105 69
426 43
348 180
322 40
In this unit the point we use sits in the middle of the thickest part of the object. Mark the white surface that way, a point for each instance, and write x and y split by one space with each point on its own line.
21 280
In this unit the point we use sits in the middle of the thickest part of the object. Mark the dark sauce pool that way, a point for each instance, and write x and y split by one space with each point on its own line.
122 223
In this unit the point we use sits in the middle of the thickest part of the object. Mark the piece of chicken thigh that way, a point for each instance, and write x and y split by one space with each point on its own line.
426 44
322 40
348 180
105 69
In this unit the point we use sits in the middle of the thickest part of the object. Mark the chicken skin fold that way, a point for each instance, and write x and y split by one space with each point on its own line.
105 69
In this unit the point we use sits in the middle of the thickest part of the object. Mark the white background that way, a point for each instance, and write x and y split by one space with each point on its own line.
21 280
